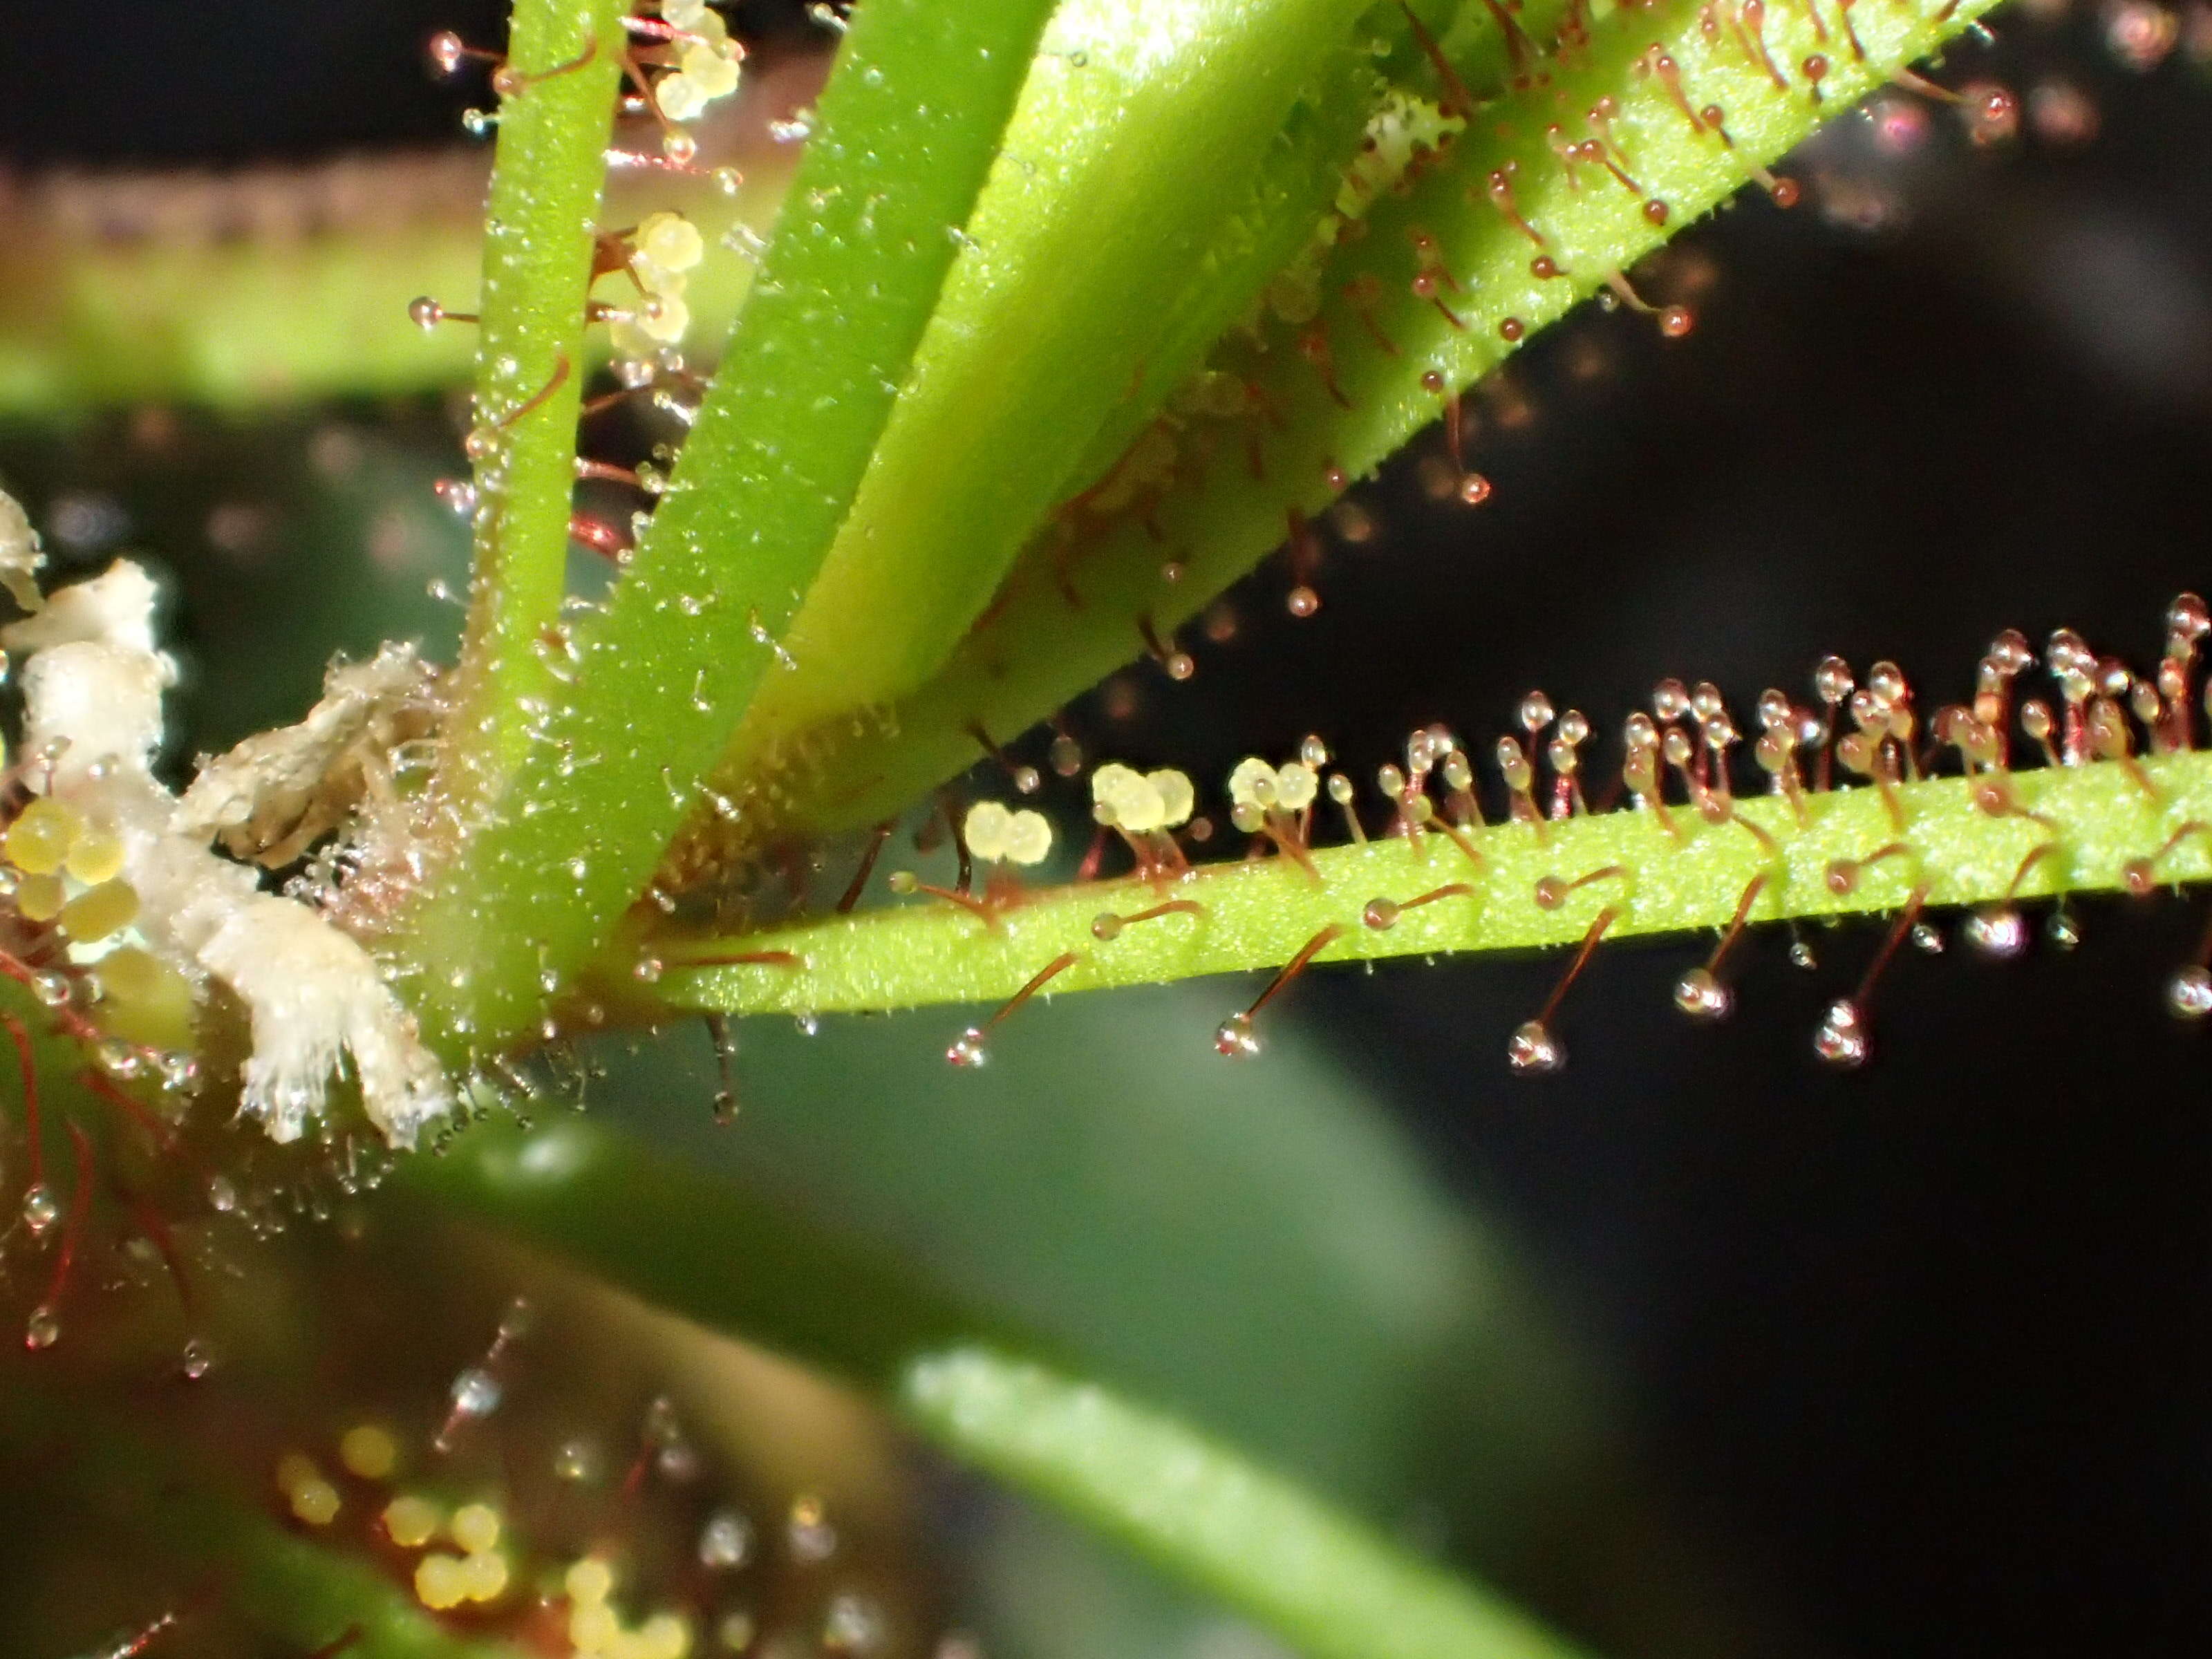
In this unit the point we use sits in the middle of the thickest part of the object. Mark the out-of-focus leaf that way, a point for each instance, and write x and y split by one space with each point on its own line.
1255 1246
1320 1579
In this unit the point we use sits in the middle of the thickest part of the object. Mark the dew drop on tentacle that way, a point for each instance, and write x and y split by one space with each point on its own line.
971 1049
1991 114
1532 1050
1702 992
445 52
1997 930
1234 1037
1842 1039
725 1541
476 1393
1700 995
576 1461
2188 992
41 1209
1177 664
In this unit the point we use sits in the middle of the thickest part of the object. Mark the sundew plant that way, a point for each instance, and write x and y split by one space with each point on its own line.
806 490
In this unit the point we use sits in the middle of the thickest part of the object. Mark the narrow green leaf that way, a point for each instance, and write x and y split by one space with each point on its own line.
874 1272
238 323
1335 394
908 127
1324 1582
2096 819
538 225
750 1266
1135 138
262 323
1082 311
1300 180
1285 1271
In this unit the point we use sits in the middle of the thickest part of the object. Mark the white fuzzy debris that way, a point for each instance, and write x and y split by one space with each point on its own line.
94 705
279 791
19 557
314 992
113 608
92 690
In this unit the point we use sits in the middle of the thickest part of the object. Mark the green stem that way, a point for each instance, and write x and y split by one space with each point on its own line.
1069 614
1259 913
539 231
1320 1580
908 125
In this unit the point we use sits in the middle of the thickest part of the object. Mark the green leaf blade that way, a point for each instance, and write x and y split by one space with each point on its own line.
910 123
1318 1578
648 1223
1123 163
1066 617
546 182
2096 818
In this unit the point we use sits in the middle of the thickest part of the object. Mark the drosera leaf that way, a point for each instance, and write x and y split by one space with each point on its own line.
246 324
1286 1273
1304 177
239 324
908 127
1123 165
1324 1581
546 180
2097 817
1333 397
1296 179
647 1222
1150 323
835 1246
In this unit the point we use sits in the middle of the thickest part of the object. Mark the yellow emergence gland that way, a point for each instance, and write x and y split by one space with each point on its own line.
1139 803
993 832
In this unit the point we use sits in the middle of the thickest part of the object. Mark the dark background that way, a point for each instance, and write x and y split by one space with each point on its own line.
1924 1346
